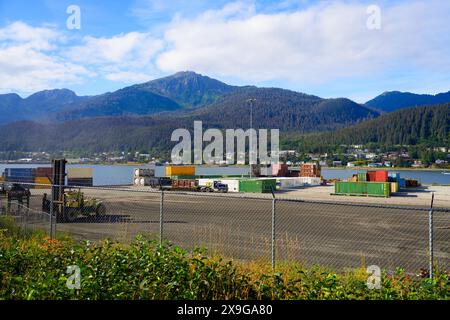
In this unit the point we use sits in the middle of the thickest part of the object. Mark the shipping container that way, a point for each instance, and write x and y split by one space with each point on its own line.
257 186
280 170
381 189
233 184
381 176
185 184
371 175
27 173
45 172
362 176
42 183
394 187
180 171
310 170
402 183
82 182
77 173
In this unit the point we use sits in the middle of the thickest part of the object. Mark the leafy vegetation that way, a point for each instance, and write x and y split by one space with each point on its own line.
34 267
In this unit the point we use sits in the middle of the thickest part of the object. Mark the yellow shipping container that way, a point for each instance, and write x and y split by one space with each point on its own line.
180 171
77 173
42 180
2 179
394 187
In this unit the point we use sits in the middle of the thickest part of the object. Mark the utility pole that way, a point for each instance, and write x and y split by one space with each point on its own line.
250 101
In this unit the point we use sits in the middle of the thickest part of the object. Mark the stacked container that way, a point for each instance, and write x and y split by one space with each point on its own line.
310 170
280 170
43 177
377 176
21 175
82 177
142 177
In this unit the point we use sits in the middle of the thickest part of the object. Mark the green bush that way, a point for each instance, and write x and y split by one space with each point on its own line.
34 267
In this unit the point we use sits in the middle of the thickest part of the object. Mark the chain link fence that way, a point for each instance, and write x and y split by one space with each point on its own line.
249 227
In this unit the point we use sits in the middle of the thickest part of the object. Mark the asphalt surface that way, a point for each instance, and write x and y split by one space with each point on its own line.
336 235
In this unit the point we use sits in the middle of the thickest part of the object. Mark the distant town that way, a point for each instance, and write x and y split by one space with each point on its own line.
349 156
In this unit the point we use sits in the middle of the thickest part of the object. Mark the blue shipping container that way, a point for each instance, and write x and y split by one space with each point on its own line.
19 172
402 183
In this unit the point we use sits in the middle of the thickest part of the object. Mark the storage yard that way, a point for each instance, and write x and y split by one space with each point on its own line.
314 225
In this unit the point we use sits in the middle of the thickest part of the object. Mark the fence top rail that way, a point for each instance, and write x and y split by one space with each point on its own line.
261 197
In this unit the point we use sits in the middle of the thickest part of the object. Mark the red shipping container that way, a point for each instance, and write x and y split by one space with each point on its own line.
381 176
371 176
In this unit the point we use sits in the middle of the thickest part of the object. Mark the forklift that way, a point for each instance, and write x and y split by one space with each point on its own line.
69 203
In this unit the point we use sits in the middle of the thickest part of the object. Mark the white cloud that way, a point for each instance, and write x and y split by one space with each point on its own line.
125 58
134 48
316 44
128 77
27 63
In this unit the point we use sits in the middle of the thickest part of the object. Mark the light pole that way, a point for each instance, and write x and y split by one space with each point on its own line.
250 101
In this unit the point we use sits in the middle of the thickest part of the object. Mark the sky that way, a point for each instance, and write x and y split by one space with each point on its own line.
354 49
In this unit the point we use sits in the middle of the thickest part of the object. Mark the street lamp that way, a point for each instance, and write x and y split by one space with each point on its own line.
250 101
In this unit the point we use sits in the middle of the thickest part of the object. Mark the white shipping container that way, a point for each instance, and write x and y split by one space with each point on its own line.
136 182
233 184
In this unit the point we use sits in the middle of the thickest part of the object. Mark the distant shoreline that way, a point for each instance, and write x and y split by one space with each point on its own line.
386 168
232 166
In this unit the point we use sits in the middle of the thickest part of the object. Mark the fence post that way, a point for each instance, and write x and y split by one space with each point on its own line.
430 235
161 218
273 231
55 222
51 217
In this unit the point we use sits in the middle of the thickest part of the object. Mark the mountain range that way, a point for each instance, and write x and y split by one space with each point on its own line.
143 116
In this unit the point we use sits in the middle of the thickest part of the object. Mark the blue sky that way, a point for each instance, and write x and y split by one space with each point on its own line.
324 48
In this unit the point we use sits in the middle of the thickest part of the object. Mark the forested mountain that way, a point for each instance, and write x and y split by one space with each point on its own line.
188 89
428 125
394 100
127 101
282 109
181 90
274 109
37 106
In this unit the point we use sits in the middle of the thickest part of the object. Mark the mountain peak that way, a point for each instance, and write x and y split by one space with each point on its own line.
393 100
188 88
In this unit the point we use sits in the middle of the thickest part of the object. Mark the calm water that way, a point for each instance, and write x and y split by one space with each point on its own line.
119 175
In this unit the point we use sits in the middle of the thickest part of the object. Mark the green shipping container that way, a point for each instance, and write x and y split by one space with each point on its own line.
362 176
378 189
257 186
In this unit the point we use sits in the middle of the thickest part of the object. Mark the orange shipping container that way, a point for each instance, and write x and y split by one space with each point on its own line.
180 171
43 181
